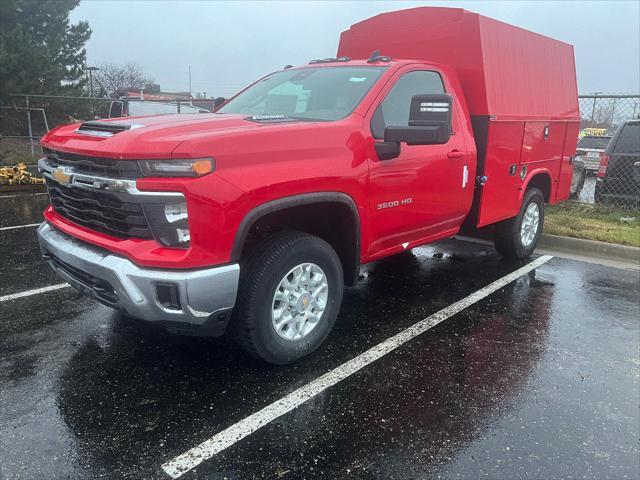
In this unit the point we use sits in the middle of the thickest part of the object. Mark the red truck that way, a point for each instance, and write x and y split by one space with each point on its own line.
251 219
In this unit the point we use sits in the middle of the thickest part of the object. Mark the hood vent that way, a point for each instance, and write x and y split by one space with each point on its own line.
105 129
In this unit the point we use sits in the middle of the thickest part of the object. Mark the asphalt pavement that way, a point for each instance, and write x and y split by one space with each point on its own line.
539 379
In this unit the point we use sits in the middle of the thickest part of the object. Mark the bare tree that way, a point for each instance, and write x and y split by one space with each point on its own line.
111 79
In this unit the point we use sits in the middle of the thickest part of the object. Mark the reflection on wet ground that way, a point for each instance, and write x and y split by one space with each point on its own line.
538 380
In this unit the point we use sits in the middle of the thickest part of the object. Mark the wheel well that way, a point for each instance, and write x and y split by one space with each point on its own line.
334 222
542 182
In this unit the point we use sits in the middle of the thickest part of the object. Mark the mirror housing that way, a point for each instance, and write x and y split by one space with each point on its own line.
387 150
116 109
429 121
217 102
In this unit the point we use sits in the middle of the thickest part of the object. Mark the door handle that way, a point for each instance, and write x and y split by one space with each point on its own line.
455 154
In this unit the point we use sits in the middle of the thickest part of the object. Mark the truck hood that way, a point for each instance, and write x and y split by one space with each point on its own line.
150 136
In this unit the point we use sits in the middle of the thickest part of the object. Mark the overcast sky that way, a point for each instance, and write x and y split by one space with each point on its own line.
231 44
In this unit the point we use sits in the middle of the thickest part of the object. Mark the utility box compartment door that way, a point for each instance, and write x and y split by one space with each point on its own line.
542 147
499 196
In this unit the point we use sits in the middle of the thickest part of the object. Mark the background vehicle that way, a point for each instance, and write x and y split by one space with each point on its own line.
617 181
589 149
128 107
253 218
587 160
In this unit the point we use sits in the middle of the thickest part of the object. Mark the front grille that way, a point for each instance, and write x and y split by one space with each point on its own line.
94 165
102 289
99 210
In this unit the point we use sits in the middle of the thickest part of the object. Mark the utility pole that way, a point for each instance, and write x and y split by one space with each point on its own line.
593 110
86 73
91 70
189 83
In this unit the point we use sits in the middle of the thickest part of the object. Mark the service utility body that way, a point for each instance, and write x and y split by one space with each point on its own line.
249 220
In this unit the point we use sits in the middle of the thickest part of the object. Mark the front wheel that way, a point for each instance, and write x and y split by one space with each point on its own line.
290 295
517 237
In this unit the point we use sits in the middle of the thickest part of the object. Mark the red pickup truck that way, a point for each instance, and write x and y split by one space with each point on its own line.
251 219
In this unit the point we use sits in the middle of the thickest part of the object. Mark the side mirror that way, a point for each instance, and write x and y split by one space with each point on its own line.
116 109
217 102
429 121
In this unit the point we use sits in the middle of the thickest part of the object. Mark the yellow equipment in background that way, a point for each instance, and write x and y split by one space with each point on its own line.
18 175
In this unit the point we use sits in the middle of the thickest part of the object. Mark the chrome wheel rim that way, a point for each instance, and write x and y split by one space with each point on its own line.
299 301
530 222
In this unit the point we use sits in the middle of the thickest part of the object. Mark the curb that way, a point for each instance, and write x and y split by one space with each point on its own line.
591 248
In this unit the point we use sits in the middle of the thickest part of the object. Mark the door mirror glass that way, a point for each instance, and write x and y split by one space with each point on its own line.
429 121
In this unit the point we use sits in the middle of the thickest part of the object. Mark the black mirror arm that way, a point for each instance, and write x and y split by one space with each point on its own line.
387 150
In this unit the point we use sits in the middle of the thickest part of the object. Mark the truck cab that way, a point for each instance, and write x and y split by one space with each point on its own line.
250 220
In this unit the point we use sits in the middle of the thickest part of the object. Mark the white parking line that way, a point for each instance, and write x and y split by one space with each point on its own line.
36 291
20 226
245 427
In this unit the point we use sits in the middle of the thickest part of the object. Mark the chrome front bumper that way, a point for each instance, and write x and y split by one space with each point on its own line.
115 281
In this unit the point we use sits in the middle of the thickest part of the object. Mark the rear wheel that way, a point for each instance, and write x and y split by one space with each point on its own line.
517 237
290 294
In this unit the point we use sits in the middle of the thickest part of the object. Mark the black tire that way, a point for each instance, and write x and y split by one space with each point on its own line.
260 274
507 233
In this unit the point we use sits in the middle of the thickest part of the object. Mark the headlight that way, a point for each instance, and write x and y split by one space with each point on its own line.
196 167
169 223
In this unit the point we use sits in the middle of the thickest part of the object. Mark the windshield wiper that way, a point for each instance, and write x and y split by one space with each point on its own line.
269 118
281 118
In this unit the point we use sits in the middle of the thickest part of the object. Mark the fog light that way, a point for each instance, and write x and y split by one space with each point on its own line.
175 213
168 296
183 235
169 223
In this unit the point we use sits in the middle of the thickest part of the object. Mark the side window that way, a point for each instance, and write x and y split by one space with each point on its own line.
629 139
394 109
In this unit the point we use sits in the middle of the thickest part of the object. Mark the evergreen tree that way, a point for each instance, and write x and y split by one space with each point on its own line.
40 51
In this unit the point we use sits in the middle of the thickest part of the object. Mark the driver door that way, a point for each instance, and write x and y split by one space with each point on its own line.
418 195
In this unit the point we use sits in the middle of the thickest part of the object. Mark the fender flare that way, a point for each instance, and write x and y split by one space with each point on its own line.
530 175
295 201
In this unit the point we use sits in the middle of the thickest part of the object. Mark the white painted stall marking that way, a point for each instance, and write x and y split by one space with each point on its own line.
28 225
190 459
36 291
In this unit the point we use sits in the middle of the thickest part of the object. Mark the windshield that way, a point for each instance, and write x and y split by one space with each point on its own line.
595 142
329 93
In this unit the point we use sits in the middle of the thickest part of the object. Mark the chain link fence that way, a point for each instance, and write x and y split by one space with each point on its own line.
28 117
611 179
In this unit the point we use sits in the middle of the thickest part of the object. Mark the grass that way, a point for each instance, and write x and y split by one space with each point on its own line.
593 222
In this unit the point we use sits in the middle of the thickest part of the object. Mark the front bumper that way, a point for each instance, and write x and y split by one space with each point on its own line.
204 294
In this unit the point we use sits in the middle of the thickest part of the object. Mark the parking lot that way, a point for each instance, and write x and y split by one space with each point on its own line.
537 377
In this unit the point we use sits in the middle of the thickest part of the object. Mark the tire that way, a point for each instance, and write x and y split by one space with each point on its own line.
508 239
262 272
580 186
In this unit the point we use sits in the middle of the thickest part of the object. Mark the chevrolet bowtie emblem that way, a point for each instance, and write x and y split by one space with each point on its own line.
60 176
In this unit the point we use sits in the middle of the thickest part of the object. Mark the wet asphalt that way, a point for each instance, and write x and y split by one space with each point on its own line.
539 380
